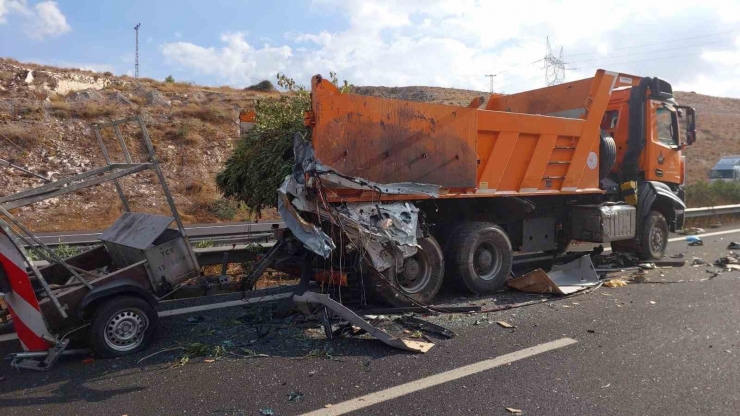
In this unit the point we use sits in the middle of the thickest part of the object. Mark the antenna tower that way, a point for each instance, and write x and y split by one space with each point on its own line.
491 76
136 70
554 66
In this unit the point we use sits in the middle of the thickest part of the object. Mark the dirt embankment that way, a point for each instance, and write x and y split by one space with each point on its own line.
45 114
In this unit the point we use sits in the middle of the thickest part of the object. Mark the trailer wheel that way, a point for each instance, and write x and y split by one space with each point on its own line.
419 281
123 326
479 257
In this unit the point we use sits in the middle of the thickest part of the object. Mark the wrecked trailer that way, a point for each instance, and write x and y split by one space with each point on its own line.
411 194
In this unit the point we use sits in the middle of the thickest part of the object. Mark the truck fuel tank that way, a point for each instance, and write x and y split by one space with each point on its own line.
603 223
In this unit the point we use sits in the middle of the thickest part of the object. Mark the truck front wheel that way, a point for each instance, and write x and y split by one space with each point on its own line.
122 325
479 257
654 237
652 241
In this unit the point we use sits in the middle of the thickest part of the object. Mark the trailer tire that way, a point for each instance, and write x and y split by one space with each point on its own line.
479 257
607 155
122 326
418 283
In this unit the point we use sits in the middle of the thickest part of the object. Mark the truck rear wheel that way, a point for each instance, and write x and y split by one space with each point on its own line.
418 281
122 326
479 257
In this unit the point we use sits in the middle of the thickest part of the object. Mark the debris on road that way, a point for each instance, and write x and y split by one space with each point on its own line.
266 412
562 280
691 231
425 326
733 246
615 283
505 324
677 256
295 396
310 298
513 410
697 262
694 240
652 302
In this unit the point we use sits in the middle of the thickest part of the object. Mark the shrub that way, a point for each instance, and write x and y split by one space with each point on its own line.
60 109
170 79
24 136
262 86
703 194
92 110
207 113
264 157
224 209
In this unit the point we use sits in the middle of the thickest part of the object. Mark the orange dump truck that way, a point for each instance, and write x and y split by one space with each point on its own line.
424 192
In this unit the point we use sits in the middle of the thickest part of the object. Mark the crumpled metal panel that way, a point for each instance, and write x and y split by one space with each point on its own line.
136 230
310 235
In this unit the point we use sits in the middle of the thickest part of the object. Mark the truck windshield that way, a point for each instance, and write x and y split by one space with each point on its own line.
721 174
664 122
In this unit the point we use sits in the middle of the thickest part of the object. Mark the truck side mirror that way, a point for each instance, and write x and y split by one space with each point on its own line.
688 119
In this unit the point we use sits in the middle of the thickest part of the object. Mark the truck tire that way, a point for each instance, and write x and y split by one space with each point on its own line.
654 237
122 326
479 257
651 243
607 155
419 281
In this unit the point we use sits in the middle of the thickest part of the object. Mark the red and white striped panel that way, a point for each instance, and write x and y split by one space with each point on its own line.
22 302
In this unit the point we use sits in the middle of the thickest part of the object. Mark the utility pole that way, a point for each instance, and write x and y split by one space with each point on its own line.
136 71
491 87
554 66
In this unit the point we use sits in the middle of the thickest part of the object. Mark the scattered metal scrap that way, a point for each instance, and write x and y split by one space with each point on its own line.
562 280
422 325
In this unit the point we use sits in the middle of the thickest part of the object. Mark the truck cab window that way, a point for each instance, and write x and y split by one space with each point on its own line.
609 121
664 126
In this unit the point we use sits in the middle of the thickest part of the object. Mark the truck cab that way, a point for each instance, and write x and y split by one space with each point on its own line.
726 170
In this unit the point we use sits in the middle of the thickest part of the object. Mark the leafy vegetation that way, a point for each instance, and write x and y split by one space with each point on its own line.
705 194
264 157
61 250
170 79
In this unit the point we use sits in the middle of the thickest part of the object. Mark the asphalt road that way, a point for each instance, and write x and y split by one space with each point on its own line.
669 346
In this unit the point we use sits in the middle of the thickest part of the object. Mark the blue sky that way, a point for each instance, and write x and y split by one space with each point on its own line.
449 43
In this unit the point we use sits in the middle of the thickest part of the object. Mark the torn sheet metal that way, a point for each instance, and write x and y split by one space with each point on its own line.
339 309
562 280
310 235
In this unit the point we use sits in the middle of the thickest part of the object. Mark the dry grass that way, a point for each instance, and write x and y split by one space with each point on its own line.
22 135
92 110
208 113
61 109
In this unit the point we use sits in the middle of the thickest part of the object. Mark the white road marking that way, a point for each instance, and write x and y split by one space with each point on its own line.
675 239
441 378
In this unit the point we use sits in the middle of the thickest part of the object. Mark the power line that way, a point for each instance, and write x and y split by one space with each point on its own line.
653 51
653 59
657 43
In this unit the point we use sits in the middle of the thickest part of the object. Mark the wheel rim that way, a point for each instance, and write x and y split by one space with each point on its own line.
125 329
487 260
656 240
416 272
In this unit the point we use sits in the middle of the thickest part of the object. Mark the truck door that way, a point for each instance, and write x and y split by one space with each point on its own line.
663 156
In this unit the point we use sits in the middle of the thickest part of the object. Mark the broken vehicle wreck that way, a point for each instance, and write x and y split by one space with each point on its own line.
394 197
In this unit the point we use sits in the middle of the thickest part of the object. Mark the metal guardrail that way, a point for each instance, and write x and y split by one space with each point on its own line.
710 211
238 232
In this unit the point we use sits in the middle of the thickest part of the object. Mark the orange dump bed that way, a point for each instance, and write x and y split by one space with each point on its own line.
544 141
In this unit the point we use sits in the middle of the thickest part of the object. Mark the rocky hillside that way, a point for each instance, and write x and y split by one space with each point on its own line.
45 114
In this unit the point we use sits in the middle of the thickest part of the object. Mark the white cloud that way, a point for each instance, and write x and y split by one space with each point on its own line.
456 42
237 62
40 21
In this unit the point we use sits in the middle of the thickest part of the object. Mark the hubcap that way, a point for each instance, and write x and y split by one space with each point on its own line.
416 272
125 330
487 260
